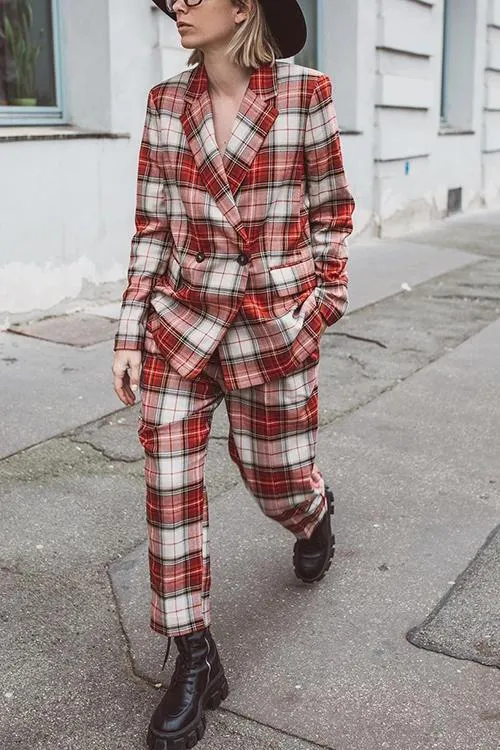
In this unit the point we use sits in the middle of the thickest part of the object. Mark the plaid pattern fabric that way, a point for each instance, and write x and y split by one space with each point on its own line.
228 248
273 431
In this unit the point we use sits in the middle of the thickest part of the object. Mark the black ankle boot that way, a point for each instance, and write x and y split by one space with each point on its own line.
312 557
198 682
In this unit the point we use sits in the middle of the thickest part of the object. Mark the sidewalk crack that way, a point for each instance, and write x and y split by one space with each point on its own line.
360 338
103 453
282 732
360 364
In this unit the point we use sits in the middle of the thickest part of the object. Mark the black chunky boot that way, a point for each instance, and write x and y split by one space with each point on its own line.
312 557
198 682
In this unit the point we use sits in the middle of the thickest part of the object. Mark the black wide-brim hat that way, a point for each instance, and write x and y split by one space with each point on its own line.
285 19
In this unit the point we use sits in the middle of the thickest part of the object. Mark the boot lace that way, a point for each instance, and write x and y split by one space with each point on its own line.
182 664
169 644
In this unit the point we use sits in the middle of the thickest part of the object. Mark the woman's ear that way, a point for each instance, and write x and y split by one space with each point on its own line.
243 10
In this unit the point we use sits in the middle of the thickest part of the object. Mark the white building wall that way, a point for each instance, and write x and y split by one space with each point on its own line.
456 159
347 54
68 201
418 159
67 204
407 37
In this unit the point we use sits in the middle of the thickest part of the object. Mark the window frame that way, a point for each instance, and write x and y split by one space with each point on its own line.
55 115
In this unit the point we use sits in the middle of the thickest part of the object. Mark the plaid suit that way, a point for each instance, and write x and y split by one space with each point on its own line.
226 252
227 248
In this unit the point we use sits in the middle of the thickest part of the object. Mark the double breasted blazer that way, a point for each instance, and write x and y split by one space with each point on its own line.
228 248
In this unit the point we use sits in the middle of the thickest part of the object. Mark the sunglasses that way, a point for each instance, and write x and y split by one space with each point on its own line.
189 3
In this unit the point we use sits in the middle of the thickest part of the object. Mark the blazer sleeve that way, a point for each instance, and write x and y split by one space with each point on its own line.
152 239
330 202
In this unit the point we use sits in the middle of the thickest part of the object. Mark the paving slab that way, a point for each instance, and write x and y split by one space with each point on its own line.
381 269
466 622
477 232
417 493
74 330
114 436
65 679
49 388
111 310
373 349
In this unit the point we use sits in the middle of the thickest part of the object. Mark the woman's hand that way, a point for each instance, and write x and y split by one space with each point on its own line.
308 307
127 371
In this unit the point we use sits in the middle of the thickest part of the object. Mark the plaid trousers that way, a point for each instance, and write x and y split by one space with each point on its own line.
272 440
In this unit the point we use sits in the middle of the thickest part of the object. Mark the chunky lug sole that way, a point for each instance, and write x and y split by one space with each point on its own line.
216 692
326 567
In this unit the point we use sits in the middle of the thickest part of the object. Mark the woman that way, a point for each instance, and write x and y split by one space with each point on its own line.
237 267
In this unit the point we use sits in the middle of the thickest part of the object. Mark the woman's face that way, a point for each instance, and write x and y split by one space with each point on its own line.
209 25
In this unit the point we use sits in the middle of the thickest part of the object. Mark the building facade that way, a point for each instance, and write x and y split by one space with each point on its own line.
417 92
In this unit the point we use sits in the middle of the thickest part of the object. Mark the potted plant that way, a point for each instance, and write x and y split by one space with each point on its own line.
22 53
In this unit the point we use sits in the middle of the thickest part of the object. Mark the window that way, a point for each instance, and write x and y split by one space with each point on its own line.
459 92
446 61
30 90
309 56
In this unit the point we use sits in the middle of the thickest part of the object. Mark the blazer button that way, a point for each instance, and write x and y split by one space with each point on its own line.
242 259
200 257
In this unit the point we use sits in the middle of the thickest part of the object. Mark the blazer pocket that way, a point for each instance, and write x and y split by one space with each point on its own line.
294 280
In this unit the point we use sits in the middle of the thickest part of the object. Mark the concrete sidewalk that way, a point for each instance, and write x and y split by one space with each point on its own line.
410 439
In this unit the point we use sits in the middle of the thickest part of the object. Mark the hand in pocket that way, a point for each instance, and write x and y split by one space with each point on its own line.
307 306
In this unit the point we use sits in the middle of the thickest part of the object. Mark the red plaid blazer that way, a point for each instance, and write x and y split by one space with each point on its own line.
227 249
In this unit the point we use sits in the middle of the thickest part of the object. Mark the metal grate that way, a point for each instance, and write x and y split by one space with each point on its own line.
454 200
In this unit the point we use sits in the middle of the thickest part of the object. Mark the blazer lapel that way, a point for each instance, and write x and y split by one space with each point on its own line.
198 125
254 120
256 116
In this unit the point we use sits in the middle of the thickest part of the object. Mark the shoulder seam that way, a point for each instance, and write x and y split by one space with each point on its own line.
181 79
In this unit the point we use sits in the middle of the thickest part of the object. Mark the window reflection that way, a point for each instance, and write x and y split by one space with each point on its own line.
27 69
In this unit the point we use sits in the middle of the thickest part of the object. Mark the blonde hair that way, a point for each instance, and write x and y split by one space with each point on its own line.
253 44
